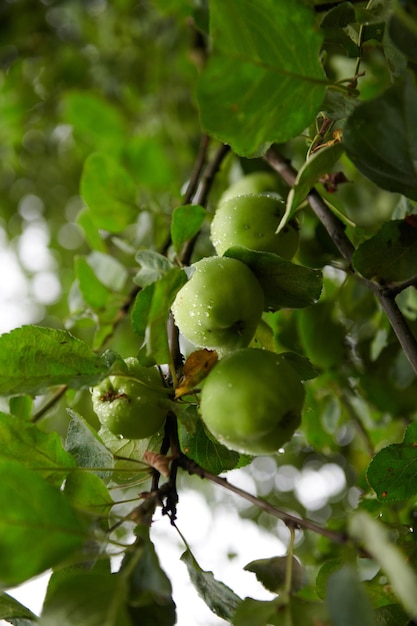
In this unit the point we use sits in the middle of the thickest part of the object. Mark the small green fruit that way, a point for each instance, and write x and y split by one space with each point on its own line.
251 221
220 306
133 406
255 182
252 401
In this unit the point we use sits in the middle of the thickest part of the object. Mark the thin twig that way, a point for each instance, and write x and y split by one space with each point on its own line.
392 290
202 195
336 230
198 168
400 327
291 520
50 403
209 174
332 224
193 182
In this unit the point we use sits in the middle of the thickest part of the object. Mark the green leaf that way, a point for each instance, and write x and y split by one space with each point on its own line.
347 601
153 267
375 538
23 622
338 105
86 599
90 230
263 82
149 161
148 582
87 492
373 30
152 614
334 25
326 570
314 168
11 609
285 284
391 615
92 289
297 611
271 572
128 453
21 406
109 192
321 417
95 120
380 138
186 223
200 447
164 295
403 32
392 473
85 446
151 310
304 368
322 336
34 358
187 416
150 591
141 309
111 273
391 255
37 450
252 612
218 597
38 527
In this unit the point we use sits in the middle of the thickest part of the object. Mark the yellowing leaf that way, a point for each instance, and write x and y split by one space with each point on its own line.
196 368
159 462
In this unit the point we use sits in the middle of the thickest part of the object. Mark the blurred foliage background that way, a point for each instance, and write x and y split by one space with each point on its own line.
79 77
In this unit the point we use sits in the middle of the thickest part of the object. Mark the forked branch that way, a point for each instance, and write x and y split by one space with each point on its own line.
336 231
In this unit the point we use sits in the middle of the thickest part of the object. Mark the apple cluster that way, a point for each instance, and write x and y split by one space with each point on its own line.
252 399
222 303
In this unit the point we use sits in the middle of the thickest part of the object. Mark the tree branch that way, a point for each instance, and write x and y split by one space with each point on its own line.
209 174
332 224
202 194
336 231
399 325
61 391
198 168
291 520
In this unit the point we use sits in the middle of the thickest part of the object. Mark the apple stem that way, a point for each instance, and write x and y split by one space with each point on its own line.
289 563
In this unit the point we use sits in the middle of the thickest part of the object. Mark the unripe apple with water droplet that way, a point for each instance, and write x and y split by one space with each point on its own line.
255 182
133 405
252 401
220 306
251 221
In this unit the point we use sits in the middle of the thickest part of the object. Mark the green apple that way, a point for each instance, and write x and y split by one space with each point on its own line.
252 220
133 405
255 182
220 306
251 401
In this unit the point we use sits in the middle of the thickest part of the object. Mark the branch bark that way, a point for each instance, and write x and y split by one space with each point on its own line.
336 231
291 520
